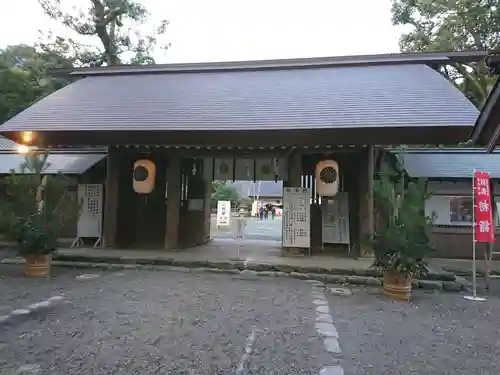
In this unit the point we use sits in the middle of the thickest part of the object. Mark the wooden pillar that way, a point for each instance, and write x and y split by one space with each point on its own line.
173 202
111 197
193 223
370 204
366 215
208 209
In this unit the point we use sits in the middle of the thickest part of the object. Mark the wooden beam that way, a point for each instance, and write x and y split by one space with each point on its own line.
366 206
370 186
173 202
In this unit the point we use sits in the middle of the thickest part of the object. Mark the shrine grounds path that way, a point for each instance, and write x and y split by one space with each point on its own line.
256 229
170 322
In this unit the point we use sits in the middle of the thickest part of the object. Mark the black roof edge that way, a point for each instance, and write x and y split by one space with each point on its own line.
451 179
430 58
437 150
485 113
68 151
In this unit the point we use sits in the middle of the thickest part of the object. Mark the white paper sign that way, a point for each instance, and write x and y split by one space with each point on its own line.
223 213
296 217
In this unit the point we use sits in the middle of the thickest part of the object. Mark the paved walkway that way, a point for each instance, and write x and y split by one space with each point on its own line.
256 229
267 252
253 251
262 244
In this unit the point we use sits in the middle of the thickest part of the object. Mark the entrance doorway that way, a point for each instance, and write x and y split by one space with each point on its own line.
258 205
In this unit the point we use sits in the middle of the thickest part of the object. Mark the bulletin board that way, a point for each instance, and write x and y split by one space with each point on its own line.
296 217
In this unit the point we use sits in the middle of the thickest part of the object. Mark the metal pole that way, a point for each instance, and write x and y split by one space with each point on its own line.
474 296
474 287
239 234
238 244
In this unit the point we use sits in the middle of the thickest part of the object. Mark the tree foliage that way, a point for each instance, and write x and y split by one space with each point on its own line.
225 192
222 191
113 25
24 77
459 25
401 240
443 25
217 185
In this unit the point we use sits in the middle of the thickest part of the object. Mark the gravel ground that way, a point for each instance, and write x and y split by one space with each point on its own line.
17 291
438 333
159 322
147 322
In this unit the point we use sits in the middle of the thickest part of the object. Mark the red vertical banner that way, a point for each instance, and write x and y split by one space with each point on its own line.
483 224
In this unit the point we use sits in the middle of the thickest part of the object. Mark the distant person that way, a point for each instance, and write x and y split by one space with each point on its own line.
273 212
266 213
261 212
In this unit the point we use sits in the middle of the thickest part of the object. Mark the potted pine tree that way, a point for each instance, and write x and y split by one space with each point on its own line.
36 241
400 242
34 208
401 252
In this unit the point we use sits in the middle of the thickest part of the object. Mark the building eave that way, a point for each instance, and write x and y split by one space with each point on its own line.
348 105
486 130
430 58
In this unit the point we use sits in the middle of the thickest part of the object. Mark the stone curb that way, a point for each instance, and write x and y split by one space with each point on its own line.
461 272
195 267
239 264
19 314
236 264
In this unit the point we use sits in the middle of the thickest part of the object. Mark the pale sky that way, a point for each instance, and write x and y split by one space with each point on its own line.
224 30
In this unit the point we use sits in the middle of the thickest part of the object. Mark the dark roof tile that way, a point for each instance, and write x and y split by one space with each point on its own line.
314 98
449 163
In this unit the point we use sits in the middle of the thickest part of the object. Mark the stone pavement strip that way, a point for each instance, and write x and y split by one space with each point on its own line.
16 315
326 329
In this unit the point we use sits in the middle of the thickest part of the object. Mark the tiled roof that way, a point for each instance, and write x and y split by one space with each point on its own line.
449 163
346 97
484 131
57 163
7 144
